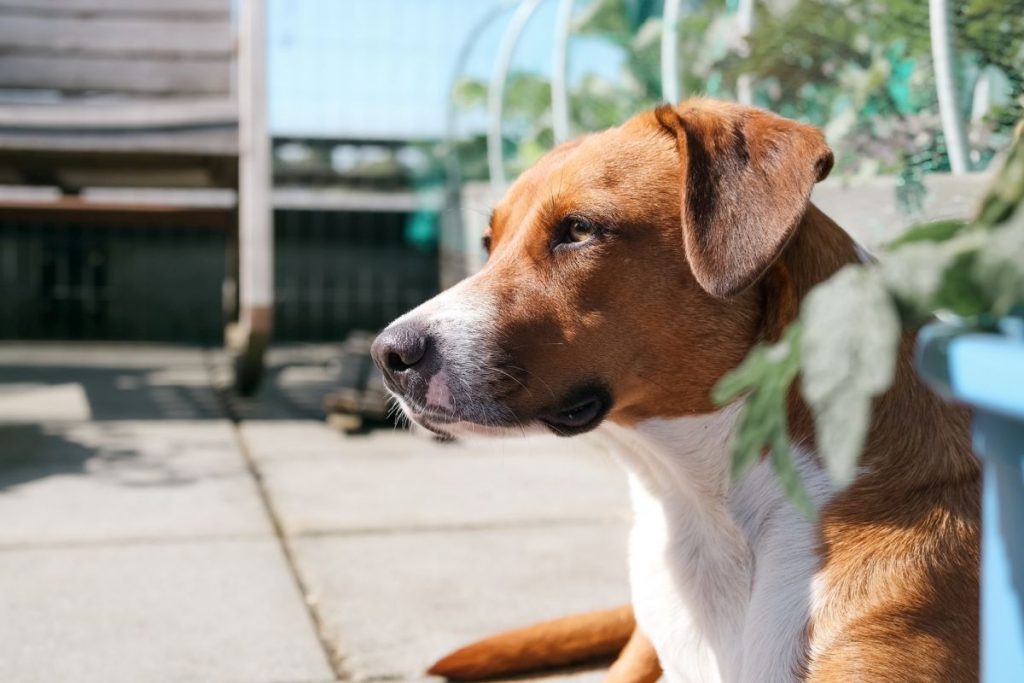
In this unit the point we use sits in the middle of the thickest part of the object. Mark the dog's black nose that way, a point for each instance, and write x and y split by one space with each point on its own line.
398 349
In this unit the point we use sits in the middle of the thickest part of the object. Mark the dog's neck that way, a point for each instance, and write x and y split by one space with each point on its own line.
900 453
733 562
720 570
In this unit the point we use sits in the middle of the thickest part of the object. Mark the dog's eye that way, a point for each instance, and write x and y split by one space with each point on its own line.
575 231
578 230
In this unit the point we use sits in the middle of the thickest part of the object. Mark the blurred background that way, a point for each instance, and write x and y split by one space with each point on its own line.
207 207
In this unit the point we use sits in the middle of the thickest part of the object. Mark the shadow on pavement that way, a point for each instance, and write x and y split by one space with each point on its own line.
174 393
106 452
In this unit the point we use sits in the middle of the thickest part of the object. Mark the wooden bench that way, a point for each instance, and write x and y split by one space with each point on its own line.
146 93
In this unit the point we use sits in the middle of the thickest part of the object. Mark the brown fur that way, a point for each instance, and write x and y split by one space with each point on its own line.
661 316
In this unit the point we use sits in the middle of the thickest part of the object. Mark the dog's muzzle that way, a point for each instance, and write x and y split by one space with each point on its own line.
446 377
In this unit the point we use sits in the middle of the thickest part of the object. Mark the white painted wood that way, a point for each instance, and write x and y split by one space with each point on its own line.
211 142
95 7
84 74
191 198
256 236
128 36
303 198
105 114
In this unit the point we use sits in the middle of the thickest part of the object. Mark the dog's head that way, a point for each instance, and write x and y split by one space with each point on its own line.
620 281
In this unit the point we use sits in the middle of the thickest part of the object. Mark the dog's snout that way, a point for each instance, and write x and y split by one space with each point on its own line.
399 349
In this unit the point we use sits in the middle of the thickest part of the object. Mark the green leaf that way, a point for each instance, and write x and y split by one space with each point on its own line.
1007 192
938 231
960 292
914 275
766 377
470 93
999 267
789 478
848 356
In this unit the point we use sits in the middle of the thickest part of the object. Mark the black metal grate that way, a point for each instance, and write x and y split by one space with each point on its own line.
121 282
335 272
340 271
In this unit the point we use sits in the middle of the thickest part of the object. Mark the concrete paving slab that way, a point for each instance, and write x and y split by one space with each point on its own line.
225 612
393 603
148 555
121 355
101 481
323 482
89 389
26 403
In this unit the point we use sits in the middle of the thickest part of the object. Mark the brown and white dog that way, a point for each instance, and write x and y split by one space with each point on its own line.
629 271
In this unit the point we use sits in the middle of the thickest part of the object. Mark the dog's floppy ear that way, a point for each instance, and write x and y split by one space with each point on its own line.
747 177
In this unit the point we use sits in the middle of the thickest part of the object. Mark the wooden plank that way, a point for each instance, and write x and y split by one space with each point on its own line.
207 142
22 165
148 76
116 37
96 214
191 198
194 177
193 8
106 114
220 199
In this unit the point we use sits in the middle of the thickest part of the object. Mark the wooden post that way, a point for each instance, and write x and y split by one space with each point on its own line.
249 339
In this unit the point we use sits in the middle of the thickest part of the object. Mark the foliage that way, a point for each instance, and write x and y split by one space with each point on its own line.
847 357
861 69
765 376
845 341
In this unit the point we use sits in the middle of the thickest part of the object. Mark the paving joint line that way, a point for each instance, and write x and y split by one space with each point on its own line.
333 657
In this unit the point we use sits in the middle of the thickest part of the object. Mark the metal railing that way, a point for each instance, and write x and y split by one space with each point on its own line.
943 52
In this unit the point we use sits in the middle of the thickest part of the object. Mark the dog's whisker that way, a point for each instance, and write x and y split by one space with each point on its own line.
537 377
651 381
510 376
536 344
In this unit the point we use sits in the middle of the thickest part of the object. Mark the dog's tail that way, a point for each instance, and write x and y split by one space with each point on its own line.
576 639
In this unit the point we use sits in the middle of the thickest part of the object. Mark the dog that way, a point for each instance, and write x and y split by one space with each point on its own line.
628 272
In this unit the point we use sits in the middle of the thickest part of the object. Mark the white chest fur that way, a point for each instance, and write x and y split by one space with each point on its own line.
721 572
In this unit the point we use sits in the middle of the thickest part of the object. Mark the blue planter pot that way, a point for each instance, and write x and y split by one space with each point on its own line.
986 372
